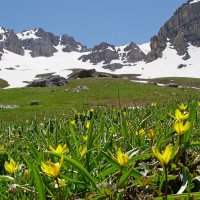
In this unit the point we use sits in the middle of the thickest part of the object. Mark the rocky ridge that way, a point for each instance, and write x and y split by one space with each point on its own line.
182 29
41 43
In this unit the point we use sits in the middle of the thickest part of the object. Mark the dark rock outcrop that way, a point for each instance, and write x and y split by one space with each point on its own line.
82 73
71 44
50 81
133 53
180 30
102 52
11 42
43 45
38 41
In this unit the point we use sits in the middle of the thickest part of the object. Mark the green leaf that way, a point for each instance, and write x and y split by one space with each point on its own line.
194 143
195 195
125 176
37 178
80 168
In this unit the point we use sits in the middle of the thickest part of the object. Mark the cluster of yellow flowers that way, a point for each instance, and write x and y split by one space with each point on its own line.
181 127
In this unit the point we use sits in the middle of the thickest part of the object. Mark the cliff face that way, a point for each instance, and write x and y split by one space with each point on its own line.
181 29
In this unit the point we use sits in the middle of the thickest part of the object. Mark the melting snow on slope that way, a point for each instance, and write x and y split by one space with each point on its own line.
195 1
16 69
167 66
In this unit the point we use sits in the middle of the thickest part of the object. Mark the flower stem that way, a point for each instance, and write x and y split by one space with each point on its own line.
166 182
59 189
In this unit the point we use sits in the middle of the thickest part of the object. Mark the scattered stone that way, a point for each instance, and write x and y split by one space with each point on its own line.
173 85
81 88
34 103
181 66
8 106
10 68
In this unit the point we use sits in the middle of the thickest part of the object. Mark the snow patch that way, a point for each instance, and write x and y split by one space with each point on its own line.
30 34
195 1
145 47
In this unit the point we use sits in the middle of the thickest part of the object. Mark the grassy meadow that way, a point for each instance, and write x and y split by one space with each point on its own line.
118 140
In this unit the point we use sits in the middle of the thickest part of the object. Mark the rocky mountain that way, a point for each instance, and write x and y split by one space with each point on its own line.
174 51
38 42
41 43
181 30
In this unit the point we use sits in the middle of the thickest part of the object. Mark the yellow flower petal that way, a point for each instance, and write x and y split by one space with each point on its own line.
52 169
165 157
122 158
181 128
11 167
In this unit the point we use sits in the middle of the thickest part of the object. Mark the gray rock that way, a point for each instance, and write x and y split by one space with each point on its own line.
102 52
113 66
50 81
42 46
173 85
82 73
8 106
81 88
34 103
181 66
181 29
134 53
71 44
12 42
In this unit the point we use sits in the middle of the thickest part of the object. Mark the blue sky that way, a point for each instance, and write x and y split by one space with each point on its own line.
90 21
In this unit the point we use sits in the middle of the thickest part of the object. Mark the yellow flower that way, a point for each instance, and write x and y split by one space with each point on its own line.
121 158
91 109
85 138
165 157
73 122
11 167
198 103
141 132
83 150
87 124
180 116
60 149
152 134
153 104
183 106
52 169
181 128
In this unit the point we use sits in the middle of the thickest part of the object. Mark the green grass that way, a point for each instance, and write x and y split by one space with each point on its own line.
110 92
91 168
191 82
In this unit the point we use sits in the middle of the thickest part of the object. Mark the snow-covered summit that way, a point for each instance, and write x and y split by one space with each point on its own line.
29 34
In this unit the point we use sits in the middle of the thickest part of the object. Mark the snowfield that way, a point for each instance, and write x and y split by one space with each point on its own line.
17 70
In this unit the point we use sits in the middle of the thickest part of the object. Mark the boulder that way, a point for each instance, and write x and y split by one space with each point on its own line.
50 81
113 66
82 73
